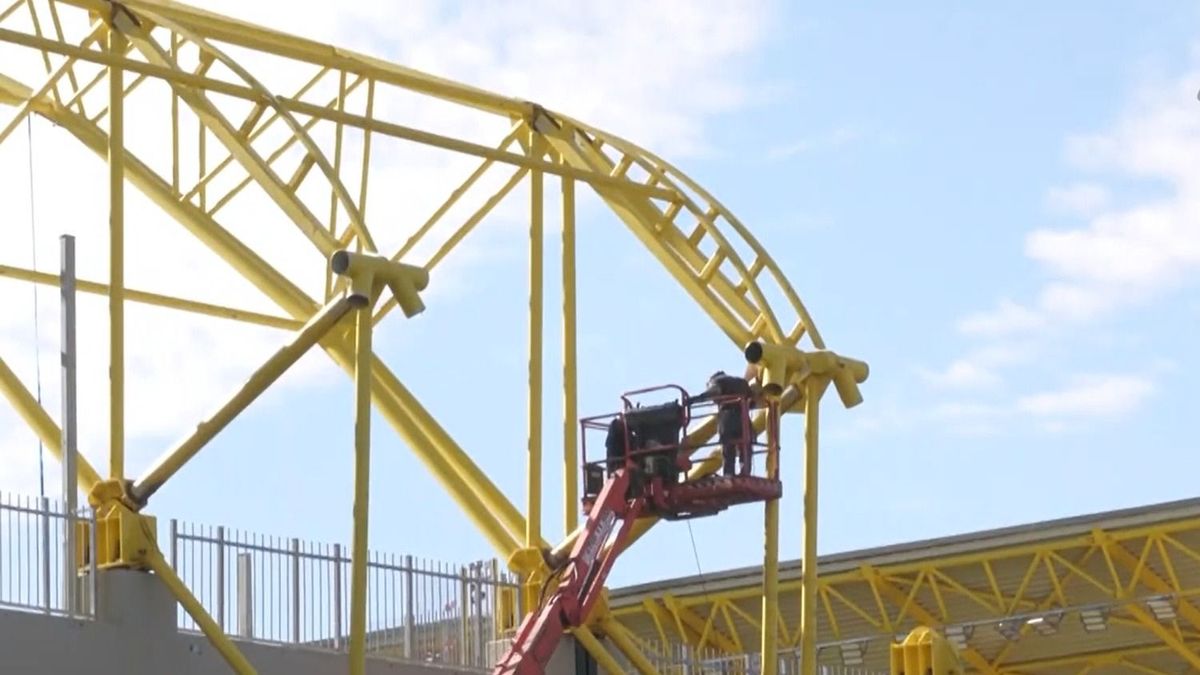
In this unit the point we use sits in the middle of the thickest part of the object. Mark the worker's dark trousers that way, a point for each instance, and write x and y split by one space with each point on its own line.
731 431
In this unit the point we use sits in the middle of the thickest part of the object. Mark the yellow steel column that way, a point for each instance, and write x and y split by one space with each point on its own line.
770 599
570 395
533 520
808 585
362 450
116 243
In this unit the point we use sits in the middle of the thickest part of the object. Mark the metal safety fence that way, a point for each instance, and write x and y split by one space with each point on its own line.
678 659
289 591
34 574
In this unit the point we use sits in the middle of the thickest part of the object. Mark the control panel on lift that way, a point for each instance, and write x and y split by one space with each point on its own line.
644 472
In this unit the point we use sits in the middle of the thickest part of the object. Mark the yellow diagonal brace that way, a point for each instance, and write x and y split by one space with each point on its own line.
1170 639
274 368
41 423
1151 580
620 637
192 606
707 632
597 650
461 478
899 599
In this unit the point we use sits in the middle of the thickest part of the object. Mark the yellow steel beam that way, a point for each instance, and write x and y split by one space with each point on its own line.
625 644
770 591
453 469
179 79
157 300
41 423
571 476
533 522
605 660
814 388
116 252
173 460
243 34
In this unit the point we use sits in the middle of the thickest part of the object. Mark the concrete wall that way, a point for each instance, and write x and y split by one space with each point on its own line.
135 634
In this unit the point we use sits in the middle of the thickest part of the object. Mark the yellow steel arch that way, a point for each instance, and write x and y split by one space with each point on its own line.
81 43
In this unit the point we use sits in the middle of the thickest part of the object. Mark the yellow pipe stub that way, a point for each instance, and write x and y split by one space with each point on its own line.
925 652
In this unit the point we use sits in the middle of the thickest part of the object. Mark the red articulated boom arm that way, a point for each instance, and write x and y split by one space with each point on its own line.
584 573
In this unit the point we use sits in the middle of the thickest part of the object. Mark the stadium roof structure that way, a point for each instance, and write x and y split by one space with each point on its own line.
1111 592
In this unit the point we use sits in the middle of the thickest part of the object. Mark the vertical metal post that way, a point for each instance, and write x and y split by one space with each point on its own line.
362 449
808 582
770 600
220 576
571 476
116 243
93 571
44 554
337 597
70 443
410 613
533 522
245 595
480 586
295 591
464 633
174 536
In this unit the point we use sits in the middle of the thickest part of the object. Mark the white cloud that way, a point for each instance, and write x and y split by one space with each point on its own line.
619 65
1007 318
1078 199
1090 396
1139 201
978 368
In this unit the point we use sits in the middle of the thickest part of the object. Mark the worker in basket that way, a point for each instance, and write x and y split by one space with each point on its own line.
653 434
734 430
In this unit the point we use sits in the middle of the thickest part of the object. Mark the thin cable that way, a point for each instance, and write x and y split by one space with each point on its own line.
37 339
696 555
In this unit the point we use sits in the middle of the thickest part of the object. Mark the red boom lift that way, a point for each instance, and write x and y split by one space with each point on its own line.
646 459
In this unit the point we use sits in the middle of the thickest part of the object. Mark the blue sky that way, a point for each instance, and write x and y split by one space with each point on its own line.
988 204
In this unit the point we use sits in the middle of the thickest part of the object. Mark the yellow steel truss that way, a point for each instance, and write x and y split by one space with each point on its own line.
241 115
1135 578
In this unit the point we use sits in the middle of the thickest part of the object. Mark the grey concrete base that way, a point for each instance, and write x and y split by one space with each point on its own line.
135 634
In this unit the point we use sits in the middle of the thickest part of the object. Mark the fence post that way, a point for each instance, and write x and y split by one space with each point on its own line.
93 570
295 591
221 576
174 544
480 641
337 597
45 554
409 611
70 481
464 601
245 599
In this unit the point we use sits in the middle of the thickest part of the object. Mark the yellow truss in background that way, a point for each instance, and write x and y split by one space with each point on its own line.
1021 602
258 135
